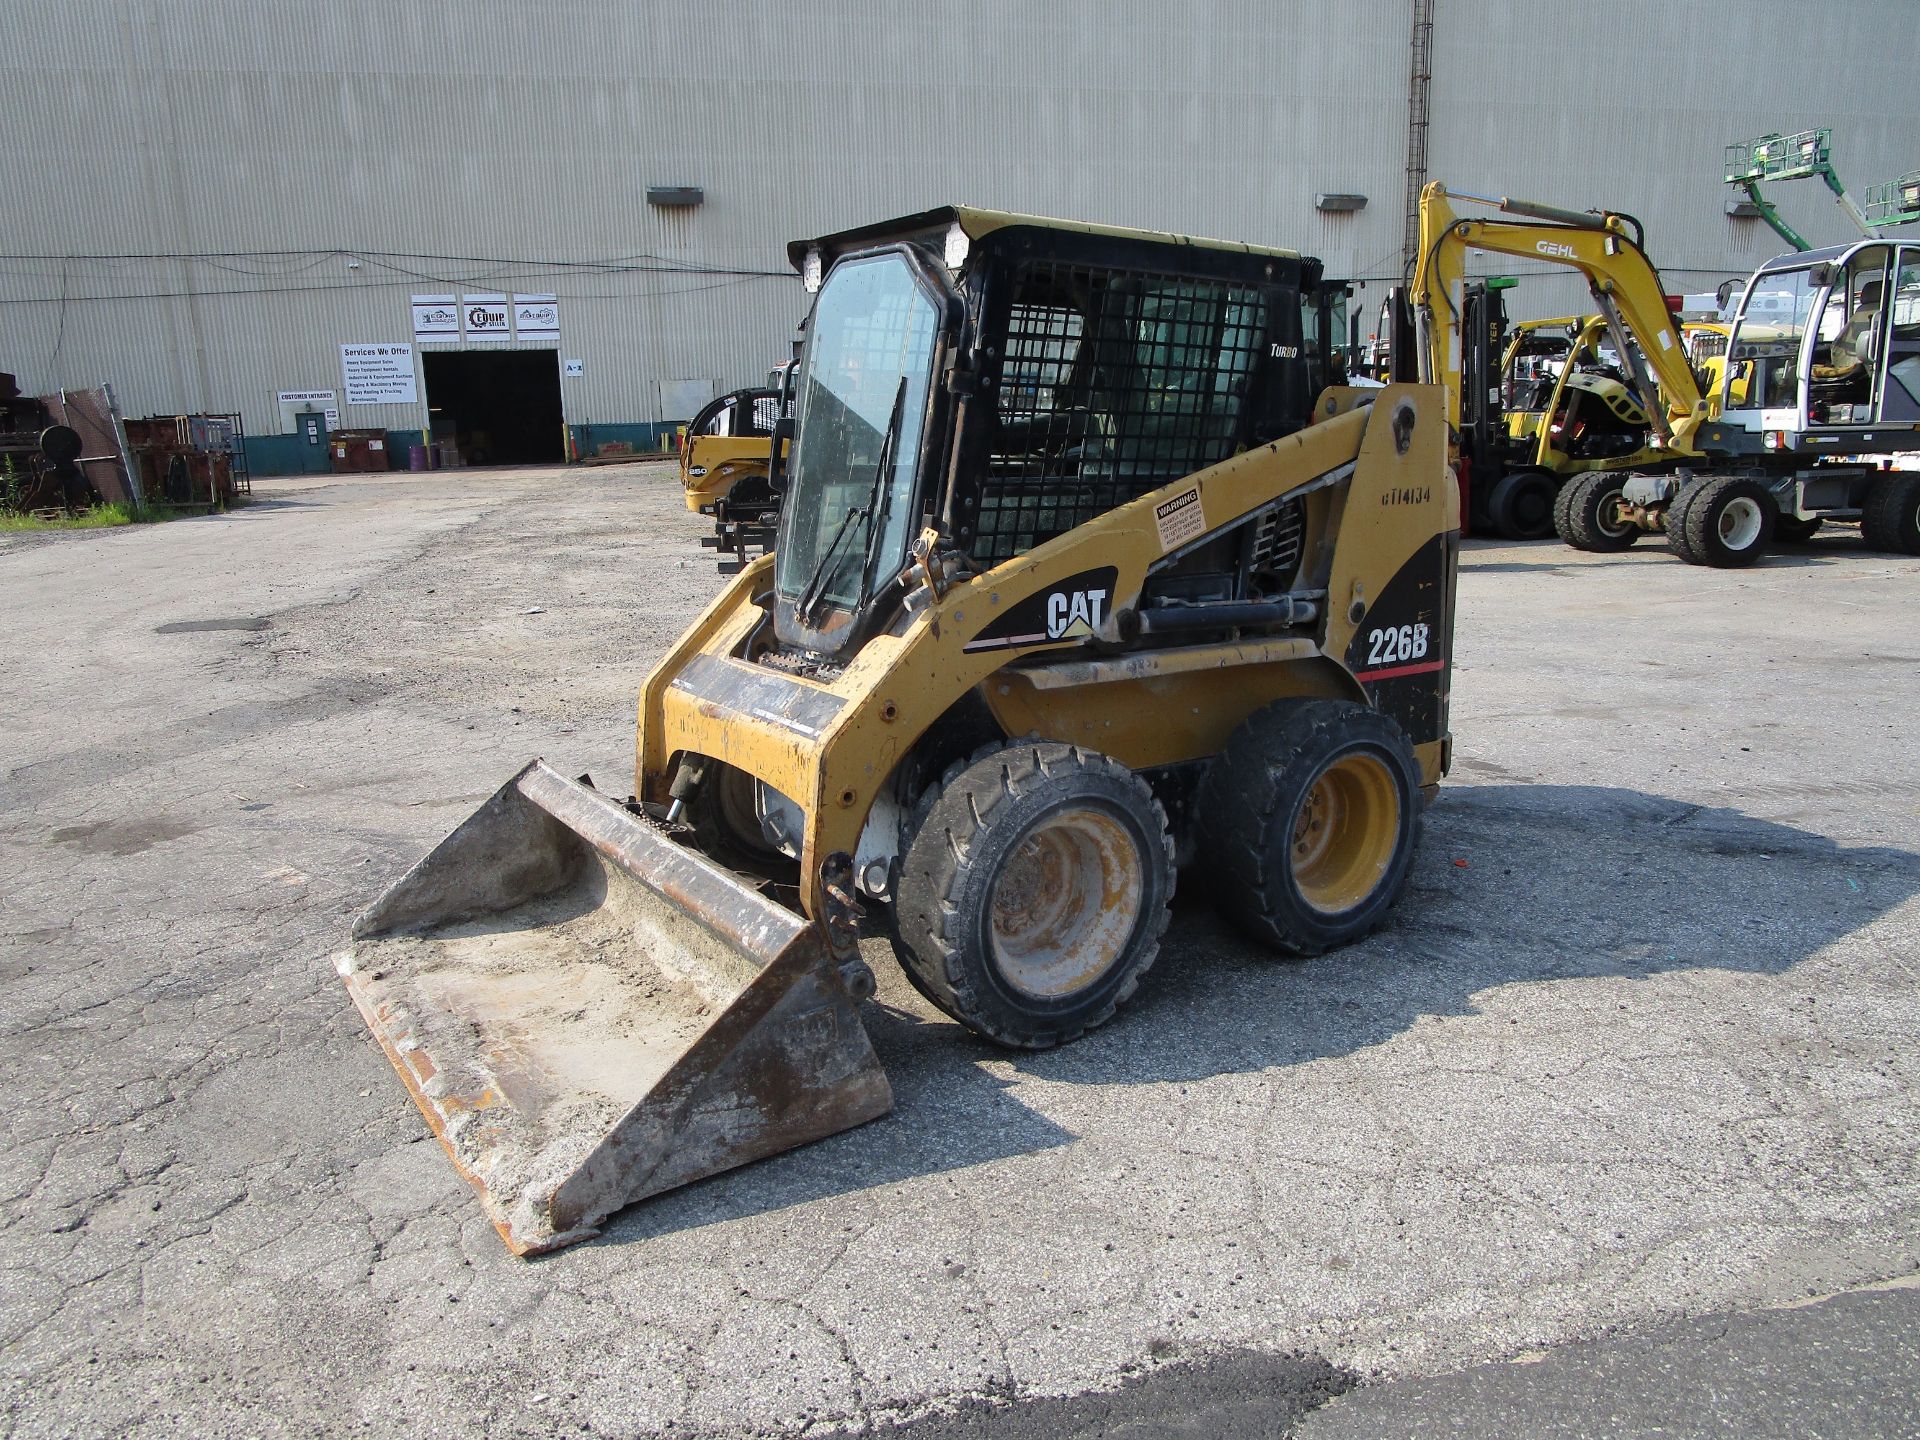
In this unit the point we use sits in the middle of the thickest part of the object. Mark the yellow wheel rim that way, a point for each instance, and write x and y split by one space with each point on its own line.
1345 833
1066 902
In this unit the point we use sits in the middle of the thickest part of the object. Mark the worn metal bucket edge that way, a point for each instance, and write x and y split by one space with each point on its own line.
781 1057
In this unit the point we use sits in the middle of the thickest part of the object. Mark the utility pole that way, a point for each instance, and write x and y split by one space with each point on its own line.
1419 84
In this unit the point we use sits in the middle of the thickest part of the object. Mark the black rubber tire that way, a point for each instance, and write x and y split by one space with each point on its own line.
1582 514
726 829
1520 506
1792 530
1890 520
1675 520
1251 803
1707 542
963 834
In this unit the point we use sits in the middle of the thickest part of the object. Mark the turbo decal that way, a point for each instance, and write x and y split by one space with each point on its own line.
1072 609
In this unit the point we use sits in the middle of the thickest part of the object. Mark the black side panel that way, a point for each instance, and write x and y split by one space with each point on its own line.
1402 654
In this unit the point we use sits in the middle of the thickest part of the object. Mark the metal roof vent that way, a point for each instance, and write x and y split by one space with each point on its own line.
1339 204
675 197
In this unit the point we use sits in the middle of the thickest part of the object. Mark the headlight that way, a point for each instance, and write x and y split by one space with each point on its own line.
811 269
957 247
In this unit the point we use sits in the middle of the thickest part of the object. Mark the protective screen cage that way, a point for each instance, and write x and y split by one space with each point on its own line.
1113 383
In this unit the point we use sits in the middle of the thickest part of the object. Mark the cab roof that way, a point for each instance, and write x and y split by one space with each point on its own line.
1799 260
976 223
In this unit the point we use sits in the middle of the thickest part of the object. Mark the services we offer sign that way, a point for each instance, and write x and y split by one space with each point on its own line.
379 374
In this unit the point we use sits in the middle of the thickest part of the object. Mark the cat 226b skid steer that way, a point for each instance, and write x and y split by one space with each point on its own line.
1083 572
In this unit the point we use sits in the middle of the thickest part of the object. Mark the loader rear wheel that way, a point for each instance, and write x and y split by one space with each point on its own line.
1033 892
1521 505
1890 520
1588 516
1728 522
1309 819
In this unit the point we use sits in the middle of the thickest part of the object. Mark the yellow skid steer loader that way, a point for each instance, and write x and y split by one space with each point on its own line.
1077 581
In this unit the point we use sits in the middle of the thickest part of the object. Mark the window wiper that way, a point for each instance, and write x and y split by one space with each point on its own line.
815 590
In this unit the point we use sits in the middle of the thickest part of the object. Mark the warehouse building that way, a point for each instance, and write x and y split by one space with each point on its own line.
530 229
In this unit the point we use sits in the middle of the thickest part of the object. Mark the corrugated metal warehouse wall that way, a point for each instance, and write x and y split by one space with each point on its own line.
325 162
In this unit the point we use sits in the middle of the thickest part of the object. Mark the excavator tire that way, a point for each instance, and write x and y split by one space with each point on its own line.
1033 891
1676 521
1729 522
1309 821
1520 506
1587 515
1890 520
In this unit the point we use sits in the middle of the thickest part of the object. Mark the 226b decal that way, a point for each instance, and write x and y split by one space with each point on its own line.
1399 649
1394 645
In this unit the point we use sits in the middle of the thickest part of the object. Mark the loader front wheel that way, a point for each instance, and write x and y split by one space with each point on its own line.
1033 892
1309 820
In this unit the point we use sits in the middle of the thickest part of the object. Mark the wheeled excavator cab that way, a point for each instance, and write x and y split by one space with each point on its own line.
1077 580
1821 375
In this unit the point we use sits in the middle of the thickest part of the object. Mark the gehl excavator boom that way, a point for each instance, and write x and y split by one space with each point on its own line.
1082 572
1607 249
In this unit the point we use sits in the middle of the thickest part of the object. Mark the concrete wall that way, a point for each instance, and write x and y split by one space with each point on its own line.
493 145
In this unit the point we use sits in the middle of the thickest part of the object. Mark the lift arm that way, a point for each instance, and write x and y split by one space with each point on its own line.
1605 248
1799 156
1775 221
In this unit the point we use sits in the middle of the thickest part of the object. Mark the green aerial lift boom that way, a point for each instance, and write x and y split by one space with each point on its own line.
1803 155
1789 157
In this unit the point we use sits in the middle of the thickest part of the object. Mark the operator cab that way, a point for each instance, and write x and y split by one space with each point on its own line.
998 380
1824 353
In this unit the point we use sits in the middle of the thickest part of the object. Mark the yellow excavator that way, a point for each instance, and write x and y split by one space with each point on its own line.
1819 386
1080 578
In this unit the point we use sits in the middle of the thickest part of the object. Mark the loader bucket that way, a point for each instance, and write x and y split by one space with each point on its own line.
589 1013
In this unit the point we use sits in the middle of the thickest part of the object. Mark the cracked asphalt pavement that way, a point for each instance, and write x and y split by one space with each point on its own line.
1638 1045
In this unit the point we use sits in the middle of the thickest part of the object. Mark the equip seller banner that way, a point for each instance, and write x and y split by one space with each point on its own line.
486 316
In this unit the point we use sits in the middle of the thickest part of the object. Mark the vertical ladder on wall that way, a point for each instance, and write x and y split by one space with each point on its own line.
1419 82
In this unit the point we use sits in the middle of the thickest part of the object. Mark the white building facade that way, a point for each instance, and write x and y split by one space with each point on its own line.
215 204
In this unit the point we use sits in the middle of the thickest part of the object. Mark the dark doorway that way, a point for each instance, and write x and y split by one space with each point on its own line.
499 407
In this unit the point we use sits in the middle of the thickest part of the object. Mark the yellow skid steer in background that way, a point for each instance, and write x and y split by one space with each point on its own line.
1078 579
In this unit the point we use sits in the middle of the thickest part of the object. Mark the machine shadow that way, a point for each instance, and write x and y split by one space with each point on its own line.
1559 883
1513 884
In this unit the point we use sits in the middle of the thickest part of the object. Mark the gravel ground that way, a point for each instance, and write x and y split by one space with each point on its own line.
1637 1047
